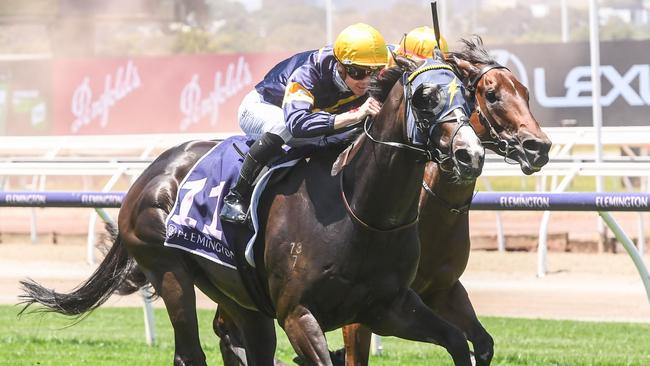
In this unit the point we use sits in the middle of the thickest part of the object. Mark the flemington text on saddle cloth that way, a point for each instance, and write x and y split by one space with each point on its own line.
193 224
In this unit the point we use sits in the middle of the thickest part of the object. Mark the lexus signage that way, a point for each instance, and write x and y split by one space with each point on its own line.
559 79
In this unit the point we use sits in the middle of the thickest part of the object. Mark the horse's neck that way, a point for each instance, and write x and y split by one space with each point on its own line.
448 192
384 181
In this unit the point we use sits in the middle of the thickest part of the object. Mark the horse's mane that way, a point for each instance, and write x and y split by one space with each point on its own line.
473 52
382 84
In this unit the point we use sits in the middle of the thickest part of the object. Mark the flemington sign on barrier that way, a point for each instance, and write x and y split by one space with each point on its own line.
62 199
485 201
502 201
579 201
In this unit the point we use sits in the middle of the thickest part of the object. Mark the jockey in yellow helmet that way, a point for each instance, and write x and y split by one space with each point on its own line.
418 44
312 98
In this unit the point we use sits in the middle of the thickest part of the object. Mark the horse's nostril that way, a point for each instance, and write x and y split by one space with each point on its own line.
536 146
532 145
463 156
541 161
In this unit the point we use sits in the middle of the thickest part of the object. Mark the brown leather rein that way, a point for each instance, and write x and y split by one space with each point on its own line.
354 216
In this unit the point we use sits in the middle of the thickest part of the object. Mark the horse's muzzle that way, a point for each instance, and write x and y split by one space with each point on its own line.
534 151
469 163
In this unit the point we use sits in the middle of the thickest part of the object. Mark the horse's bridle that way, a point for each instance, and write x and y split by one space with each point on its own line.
424 125
435 154
502 145
457 210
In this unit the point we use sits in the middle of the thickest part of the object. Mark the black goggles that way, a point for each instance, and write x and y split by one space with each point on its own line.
360 73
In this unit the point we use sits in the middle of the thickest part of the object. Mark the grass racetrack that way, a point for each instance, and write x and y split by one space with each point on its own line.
115 336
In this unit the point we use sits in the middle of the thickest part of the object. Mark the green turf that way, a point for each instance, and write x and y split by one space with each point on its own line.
115 336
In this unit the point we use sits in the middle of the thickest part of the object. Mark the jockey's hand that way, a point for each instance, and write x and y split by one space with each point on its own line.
369 108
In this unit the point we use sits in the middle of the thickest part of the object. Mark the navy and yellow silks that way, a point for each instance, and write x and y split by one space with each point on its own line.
310 91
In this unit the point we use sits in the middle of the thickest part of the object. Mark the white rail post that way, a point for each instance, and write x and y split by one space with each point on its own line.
501 238
629 247
596 107
90 241
641 241
542 247
33 227
375 345
328 22
149 320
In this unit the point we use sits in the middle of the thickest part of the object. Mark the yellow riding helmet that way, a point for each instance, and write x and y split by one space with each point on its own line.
362 45
419 43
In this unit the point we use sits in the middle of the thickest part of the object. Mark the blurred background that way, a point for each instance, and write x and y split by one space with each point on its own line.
62 59
73 28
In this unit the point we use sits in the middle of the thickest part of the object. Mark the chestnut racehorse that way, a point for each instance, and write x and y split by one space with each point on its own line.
505 124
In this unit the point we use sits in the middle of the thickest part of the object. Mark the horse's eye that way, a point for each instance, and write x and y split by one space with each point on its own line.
426 97
491 96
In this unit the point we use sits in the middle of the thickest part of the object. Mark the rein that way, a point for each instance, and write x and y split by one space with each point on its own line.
440 159
398 145
363 223
342 189
460 210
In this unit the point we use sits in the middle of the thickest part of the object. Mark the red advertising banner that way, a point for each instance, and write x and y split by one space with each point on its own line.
175 94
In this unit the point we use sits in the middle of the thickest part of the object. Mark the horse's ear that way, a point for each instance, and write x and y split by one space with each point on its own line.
464 68
405 63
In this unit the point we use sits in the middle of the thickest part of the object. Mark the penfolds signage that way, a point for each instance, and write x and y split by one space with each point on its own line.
88 108
154 94
197 104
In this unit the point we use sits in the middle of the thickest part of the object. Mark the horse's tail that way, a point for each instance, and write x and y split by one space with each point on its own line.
134 278
107 278
134 281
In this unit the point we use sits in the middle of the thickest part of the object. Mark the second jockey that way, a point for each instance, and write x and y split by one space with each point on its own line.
418 44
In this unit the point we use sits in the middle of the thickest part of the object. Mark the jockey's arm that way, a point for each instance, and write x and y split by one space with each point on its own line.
299 114
303 120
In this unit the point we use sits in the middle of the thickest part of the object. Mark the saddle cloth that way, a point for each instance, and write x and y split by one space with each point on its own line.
193 224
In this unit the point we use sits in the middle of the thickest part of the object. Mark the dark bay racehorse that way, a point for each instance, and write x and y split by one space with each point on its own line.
504 123
335 248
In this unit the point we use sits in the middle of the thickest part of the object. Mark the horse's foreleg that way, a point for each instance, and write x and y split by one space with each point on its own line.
306 337
455 306
408 317
357 344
